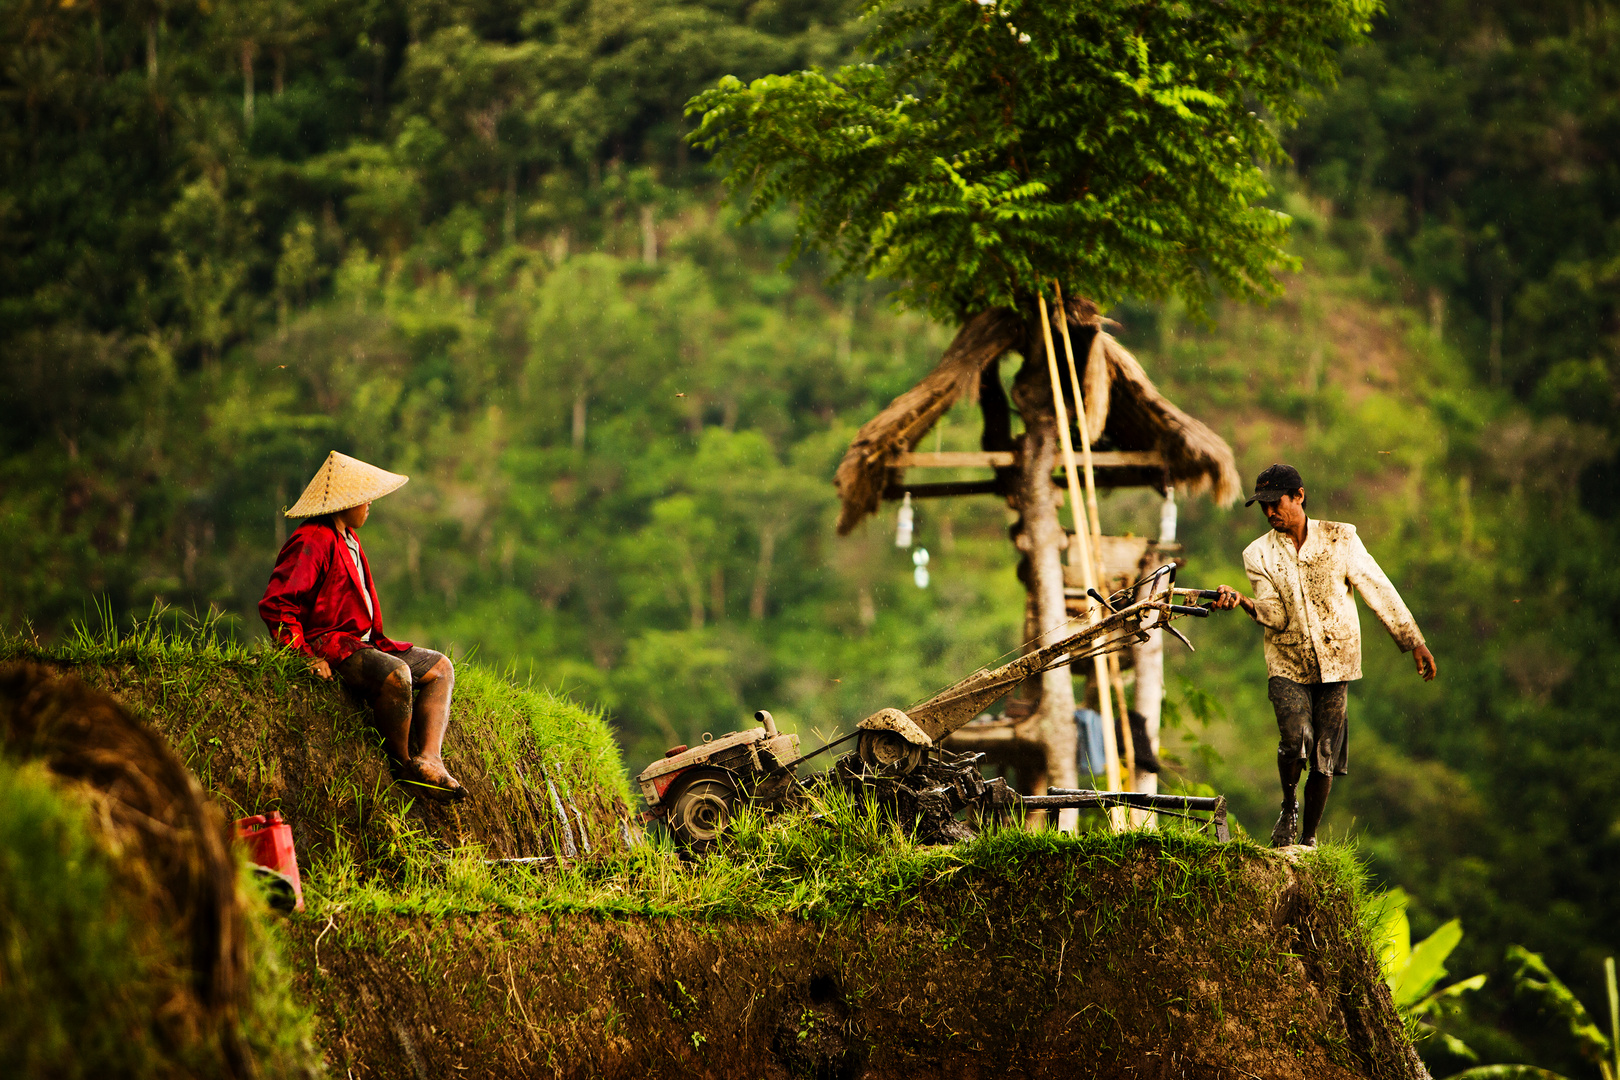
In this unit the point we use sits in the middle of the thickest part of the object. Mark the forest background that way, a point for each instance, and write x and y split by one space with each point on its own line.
465 240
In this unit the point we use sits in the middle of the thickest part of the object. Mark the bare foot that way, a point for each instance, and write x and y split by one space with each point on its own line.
432 779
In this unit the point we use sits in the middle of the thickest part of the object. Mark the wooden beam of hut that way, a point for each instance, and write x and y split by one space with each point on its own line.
1134 476
1002 459
864 472
1136 418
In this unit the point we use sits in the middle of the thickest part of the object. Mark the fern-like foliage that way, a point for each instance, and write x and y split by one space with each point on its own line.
991 146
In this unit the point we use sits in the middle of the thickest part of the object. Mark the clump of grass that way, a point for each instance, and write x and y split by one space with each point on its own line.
88 983
833 858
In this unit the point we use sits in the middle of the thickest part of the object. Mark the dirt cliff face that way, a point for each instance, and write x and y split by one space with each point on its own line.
1135 957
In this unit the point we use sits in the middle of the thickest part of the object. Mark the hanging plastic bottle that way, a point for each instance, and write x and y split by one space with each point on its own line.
919 559
1167 516
902 532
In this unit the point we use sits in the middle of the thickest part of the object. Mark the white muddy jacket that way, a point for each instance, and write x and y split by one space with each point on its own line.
1306 604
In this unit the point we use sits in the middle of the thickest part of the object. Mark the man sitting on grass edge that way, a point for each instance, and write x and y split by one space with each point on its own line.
322 601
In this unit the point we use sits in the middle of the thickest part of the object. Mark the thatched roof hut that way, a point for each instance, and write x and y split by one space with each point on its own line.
1124 412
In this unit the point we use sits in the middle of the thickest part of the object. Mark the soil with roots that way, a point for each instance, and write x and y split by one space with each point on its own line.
1063 968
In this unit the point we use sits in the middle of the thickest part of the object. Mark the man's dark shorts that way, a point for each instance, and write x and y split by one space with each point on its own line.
1311 724
366 670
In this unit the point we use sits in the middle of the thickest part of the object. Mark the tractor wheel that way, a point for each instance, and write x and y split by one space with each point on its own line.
888 752
701 806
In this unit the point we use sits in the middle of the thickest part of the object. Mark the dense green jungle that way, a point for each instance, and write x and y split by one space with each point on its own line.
466 240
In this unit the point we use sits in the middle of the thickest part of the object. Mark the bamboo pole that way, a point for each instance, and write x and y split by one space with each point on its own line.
1128 738
1082 533
1085 429
1108 678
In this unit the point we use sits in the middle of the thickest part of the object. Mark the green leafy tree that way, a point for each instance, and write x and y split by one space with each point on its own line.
995 146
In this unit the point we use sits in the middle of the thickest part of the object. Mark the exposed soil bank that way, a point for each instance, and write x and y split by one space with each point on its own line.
1233 963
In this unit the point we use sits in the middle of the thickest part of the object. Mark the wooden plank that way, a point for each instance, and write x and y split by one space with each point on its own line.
1114 459
949 459
1107 479
1003 459
939 491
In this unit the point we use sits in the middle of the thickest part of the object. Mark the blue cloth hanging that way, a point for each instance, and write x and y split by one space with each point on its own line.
1089 756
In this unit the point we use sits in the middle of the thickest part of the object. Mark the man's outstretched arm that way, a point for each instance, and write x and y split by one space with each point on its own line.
1380 595
1266 608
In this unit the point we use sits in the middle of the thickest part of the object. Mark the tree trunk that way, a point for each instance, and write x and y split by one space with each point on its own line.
151 50
579 420
762 572
509 220
649 237
247 86
694 589
379 86
717 593
1149 664
1045 539
1496 337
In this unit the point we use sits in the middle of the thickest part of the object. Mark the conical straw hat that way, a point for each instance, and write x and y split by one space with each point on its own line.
342 482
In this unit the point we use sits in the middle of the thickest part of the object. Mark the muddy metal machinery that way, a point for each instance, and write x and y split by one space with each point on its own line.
897 756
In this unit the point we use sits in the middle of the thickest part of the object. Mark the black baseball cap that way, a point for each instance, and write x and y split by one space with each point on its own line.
1278 480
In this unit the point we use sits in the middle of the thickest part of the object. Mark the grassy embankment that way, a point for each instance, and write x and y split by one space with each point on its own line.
835 947
262 733
819 944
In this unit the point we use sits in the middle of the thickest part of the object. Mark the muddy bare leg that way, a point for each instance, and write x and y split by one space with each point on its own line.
391 712
431 718
1316 797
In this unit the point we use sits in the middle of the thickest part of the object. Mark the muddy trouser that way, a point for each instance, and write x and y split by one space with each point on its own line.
1311 724
367 670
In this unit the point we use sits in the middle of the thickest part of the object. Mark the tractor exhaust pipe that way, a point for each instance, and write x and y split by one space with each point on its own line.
769 721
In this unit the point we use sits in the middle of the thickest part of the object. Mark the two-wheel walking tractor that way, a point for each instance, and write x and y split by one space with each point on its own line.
897 758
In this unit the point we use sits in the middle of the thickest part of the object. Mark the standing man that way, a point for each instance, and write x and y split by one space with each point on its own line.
322 601
1303 572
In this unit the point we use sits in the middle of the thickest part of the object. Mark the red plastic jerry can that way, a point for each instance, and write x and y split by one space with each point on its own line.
269 842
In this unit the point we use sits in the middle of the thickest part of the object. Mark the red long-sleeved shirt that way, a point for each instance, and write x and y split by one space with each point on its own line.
313 602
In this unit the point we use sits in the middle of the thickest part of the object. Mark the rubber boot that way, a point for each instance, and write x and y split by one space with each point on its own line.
1316 796
1287 827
